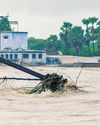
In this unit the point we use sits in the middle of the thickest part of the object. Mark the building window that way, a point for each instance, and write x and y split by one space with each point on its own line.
15 56
2 56
5 36
40 56
6 56
11 56
34 56
25 56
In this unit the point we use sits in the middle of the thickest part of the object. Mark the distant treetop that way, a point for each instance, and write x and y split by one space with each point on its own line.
4 24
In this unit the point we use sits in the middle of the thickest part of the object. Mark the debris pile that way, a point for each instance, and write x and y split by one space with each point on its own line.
52 82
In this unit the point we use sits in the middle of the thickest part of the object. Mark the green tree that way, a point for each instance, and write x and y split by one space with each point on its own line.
93 20
87 40
36 44
4 24
87 37
98 23
98 45
86 22
53 44
76 38
64 35
97 36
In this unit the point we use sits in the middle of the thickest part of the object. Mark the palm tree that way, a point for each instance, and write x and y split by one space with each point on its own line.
64 34
86 22
76 37
87 34
93 20
66 26
87 42
53 44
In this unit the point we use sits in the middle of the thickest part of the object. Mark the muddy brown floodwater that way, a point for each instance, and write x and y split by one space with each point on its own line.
45 109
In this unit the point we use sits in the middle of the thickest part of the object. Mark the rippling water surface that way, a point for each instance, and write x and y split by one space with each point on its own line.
69 109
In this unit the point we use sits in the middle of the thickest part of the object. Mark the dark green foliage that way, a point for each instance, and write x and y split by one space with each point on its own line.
72 40
53 45
64 36
36 44
90 33
4 24
98 45
76 38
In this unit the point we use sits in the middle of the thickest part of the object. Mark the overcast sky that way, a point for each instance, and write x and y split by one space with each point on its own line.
44 17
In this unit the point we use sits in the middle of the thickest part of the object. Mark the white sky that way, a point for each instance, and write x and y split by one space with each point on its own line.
44 17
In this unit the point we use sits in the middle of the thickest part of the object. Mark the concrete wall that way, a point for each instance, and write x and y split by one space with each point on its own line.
13 40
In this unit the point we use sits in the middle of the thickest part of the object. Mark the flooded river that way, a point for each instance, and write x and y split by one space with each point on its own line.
45 109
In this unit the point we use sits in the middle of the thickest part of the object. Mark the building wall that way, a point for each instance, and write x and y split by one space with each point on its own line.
37 59
13 40
22 57
31 60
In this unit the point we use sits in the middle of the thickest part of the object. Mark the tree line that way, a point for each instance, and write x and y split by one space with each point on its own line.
72 40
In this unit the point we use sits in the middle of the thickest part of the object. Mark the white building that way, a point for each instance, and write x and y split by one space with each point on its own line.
14 47
30 57
13 40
